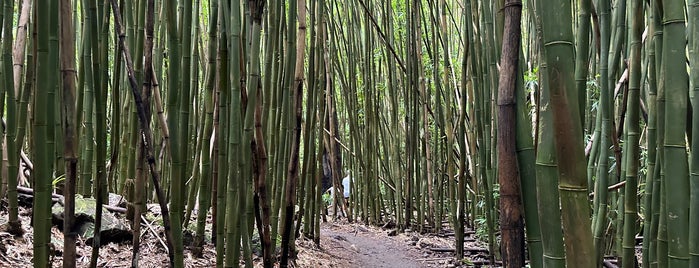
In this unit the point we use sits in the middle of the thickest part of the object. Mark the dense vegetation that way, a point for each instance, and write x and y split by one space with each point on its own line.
567 125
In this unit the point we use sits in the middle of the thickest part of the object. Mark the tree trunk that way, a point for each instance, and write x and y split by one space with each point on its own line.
511 222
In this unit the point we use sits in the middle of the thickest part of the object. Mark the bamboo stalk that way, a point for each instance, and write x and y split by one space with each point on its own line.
147 137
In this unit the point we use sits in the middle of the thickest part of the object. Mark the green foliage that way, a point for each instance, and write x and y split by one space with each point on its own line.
58 180
327 200
531 79
481 228
594 89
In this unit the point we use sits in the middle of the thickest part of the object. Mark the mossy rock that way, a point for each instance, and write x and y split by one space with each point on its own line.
112 229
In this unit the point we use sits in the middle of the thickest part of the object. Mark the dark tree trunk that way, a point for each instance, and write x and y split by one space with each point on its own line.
511 223
327 171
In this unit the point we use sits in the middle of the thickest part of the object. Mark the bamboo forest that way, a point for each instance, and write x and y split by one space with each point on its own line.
349 133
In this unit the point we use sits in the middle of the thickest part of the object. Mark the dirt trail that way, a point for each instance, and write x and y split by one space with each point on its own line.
364 248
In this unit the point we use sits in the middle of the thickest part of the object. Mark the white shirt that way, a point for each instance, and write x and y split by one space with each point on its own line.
346 186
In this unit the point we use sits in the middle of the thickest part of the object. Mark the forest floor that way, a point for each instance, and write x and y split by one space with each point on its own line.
357 245
342 244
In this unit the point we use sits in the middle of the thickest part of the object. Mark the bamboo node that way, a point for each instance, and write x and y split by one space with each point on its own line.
558 42
571 188
512 4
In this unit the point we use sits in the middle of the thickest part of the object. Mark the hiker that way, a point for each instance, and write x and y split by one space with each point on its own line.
345 189
346 185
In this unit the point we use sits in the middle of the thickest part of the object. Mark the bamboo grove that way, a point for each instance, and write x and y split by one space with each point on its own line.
563 125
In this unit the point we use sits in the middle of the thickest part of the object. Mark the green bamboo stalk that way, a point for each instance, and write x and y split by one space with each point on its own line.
659 182
177 141
320 115
292 176
489 73
15 128
526 159
221 143
309 169
99 51
617 36
11 84
674 146
90 42
271 102
184 107
42 157
115 127
437 152
467 89
234 190
252 120
248 218
568 133
448 121
693 14
284 143
53 105
144 48
546 184
457 188
372 195
409 137
6 46
650 219
136 165
605 110
632 147
3 72
582 50
23 97
281 145
206 167
67 47
396 148
618 50
275 70
426 100
546 166
194 119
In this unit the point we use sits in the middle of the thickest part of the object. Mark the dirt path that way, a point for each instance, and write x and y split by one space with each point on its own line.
362 247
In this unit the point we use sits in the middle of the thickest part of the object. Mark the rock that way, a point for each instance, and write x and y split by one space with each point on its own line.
154 208
112 229
424 244
25 200
117 200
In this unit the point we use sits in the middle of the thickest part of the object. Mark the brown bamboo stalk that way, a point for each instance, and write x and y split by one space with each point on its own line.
147 137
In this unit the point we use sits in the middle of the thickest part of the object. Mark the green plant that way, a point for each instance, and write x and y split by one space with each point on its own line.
327 200
58 180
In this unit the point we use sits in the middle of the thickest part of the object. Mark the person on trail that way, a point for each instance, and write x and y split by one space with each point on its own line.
345 187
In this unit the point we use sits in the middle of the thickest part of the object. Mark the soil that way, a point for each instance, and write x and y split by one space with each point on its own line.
363 248
342 244
356 245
